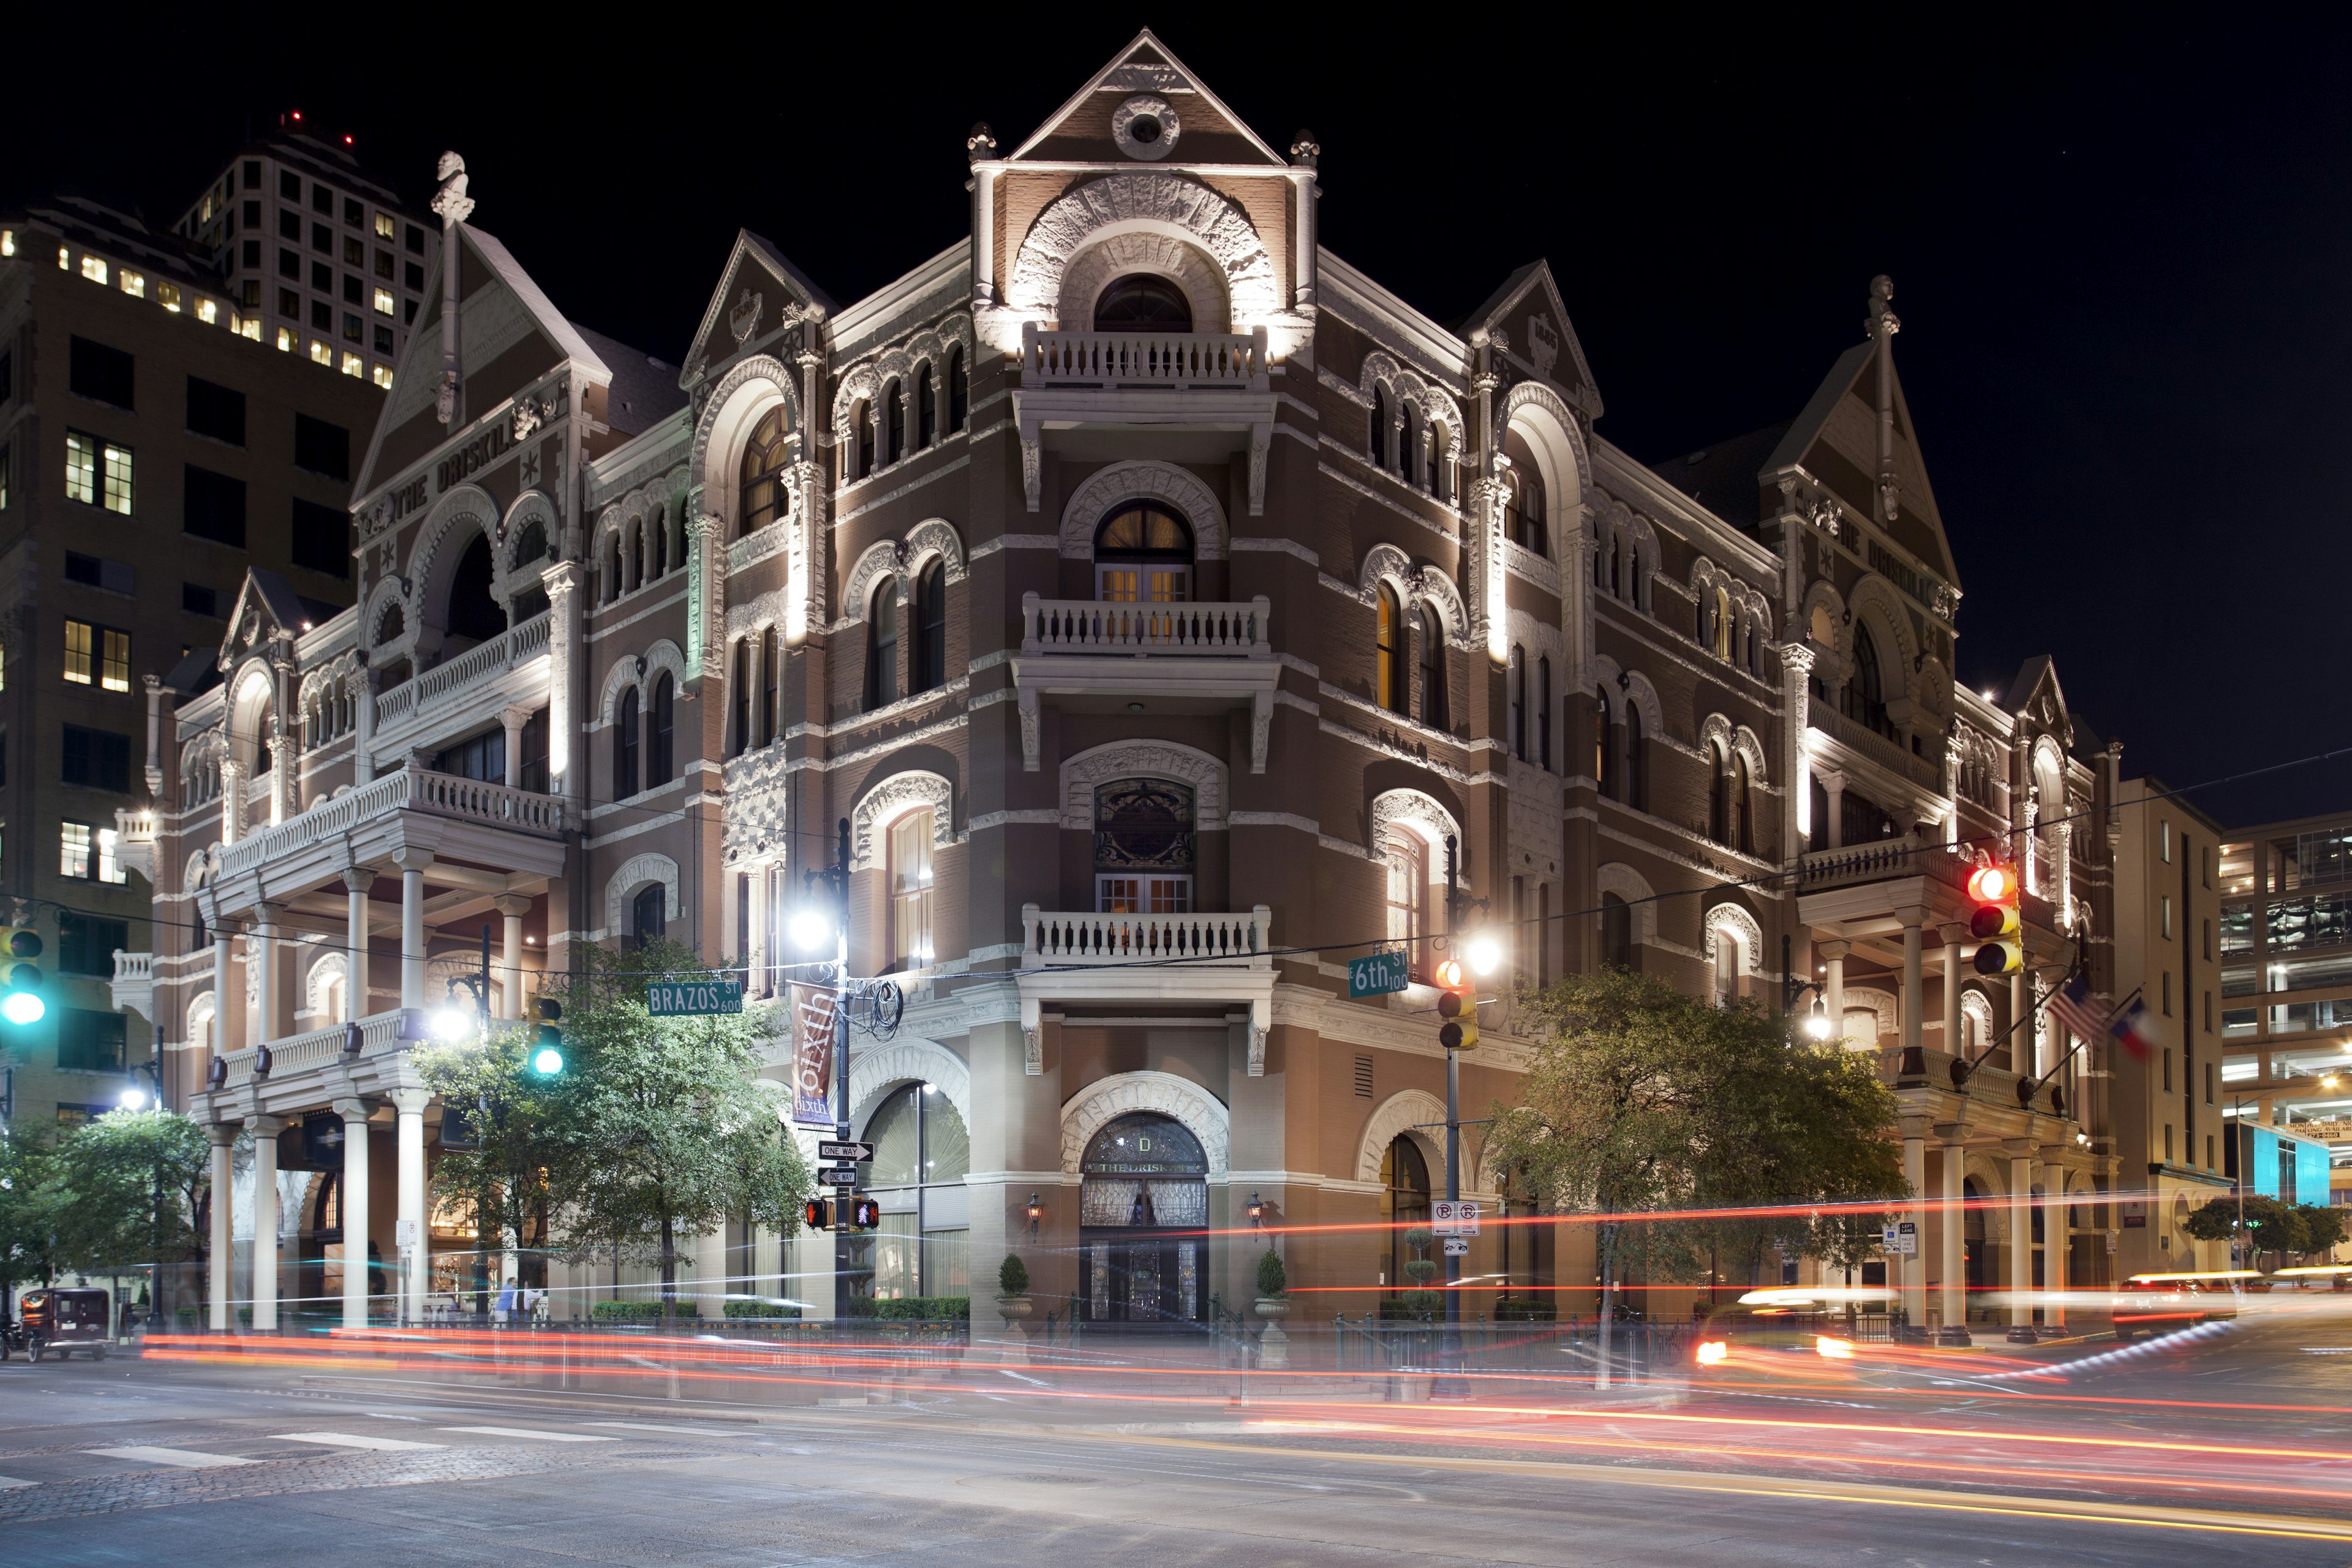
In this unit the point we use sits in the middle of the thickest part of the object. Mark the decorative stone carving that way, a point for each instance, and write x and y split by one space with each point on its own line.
878 1070
634 874
1030 723
1256 1051
1399 810
1106 1100
1107 490
1410 1113
1182 263
1140 200
752 823
744 319
1743 926
1033 1052
1084 773
934 536
1145 127
892 798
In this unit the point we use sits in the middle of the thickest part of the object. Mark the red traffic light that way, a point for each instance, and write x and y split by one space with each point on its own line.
1451 975
1992 884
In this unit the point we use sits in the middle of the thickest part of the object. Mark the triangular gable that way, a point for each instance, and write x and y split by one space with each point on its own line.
419 370
1504 305
276 609
713 341
1835 440
1147 64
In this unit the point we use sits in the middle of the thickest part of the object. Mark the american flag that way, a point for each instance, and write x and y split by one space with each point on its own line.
2072 1007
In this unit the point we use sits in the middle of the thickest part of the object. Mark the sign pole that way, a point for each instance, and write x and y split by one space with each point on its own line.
1450 1356
841 1056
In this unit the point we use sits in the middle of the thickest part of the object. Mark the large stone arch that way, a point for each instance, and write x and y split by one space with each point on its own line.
1144 202
1386 562
1143 479
892 798
1097 765
635 874
252 716
934 536
1641 899
874 1072
1875 602
201 1010
1745 929
447 532
1410 1113
752 387
1869 998
1108 1098
1118 254
1558 441
1410 810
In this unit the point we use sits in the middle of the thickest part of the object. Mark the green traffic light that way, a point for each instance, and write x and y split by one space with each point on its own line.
23 1008
547 1062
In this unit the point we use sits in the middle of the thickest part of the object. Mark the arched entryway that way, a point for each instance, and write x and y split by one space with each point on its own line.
1404 1203
1143 1216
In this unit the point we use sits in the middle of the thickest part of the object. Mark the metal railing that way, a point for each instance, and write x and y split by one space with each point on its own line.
1075 937
1636 1349
1091 626
1144 359
478 663
411 789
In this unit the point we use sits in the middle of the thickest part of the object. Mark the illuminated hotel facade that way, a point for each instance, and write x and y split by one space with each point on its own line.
1133 576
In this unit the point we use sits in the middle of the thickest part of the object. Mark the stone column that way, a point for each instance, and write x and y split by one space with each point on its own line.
265 1130
357 999
1833 792
223 1009
513 907
2057 1234
414 1245
354 1112
1915 1176
1913 988
561 582
1833 987
1955 1294
222 1239
411 864
512 720
2020 1230
1952 1041
261 951
709 1289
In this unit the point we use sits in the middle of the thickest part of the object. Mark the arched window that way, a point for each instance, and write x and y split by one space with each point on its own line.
911 891
1637 761
1141 1177
1616 932
1743 808
1379 443
1389 665
1604 752
1144 848
1143 302
531 543
894 416
1543 711
625 745
1726 966
1432 669
1404 1206
771 656
474 615
739 724
1518 703
919 1142
864 416
1718 795
1599 554
661 543
1440 485
1866 692
612 567
882 645
927 411
1408 444
1408 900
1704 610
648 916
1721 646
763 476
1143 553
1530 527
661 732
959 390
931 627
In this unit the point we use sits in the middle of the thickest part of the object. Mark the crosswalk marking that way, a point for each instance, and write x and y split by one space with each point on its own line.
658 1426
187 1458
526 1432
10 1483
351 1440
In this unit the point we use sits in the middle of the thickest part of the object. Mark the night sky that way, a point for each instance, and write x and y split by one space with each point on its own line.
2121 258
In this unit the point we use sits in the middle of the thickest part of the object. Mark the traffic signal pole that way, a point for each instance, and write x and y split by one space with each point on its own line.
1450 1354
842 1232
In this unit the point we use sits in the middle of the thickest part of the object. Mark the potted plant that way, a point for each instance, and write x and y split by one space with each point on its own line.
1272 1282
1422 1301
1012 1303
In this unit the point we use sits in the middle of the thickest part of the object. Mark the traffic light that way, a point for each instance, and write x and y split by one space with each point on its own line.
547 1056
1995 922
819 1214
1458 1003
20 978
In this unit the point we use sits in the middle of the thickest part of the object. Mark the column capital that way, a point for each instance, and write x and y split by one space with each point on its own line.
411 858
359 879
2019 1148
515 716
222 1133
266 1126
1835 951
410 1101
511 905
1912 918
1953 1133
1830 780
352 1110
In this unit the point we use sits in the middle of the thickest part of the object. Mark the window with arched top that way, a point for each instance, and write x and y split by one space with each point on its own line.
1410 908
1143 302
1440 485
1637 759
738 719
648 916
1143 554
959 390
611 573
530 544
1718 795
910 889
1605 752
1865 694
882 645
1388 664
1407 445
1144 848
1721 645
660 529
1432 669
661 732
770 658
1616 932
1380 442
473 614
894 422
1743 802
1517 694
926 409
862 417
1404 1204
1543 712
1529 524
922 1153
931 626
625 745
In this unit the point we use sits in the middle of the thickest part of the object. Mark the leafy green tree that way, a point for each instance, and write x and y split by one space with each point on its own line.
2323 1228
657 1129
2270 1226
34 1203
1641 1099
134 1179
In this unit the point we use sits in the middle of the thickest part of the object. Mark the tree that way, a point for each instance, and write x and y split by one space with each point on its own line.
2271 1225
2323 1228
657 1129
1642 1099
134 1179
34 1201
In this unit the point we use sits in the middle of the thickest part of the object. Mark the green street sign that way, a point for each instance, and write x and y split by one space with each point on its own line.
674 999
1379 975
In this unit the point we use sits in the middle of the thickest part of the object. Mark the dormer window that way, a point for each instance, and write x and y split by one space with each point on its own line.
1141 302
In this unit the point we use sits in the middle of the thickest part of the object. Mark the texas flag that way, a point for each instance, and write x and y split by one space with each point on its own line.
2134 1030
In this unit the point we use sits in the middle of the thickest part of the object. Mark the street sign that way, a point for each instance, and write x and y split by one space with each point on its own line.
403 1233
844 1153
1379 975
1453 1217
689 999
1902 1238
837 1176
1457 1247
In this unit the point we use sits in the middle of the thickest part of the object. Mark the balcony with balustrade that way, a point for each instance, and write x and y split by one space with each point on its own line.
1092 655
1123 964
434 705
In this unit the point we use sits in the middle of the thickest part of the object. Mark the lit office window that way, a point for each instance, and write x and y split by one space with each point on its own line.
910 889
115 469
134 284
65 259
77 644
285 339
322 353
383 225
251 327
354 366
92 267
385 304
7 242
74 850
208 312
81 467
109 868
115 661
382 377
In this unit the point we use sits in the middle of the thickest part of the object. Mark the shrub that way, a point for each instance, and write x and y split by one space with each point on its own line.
639 1311
1520 1310
1013 1276
925 1309
1271 1280
758 1309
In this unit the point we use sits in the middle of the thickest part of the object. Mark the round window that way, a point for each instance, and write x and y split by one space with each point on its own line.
1145 127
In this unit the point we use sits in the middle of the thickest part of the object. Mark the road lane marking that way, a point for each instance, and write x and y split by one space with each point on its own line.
527 1432
658 1426
10 1483
353 1440
187 1458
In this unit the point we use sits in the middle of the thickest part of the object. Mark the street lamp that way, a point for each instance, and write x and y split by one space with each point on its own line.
1485 953
810 926
1256 1213
1037 1212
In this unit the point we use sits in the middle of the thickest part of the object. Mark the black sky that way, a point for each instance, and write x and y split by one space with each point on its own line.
2122 247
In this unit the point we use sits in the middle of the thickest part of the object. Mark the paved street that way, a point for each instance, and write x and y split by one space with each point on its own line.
147 1461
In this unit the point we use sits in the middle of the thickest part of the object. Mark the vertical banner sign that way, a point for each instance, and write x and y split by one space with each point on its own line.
813 1048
